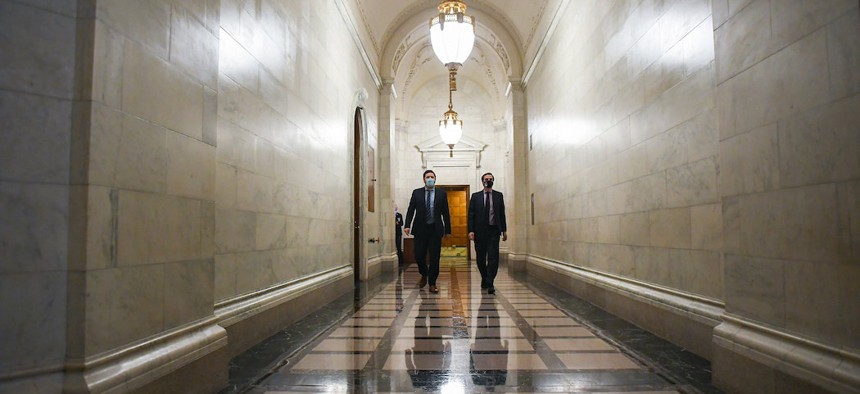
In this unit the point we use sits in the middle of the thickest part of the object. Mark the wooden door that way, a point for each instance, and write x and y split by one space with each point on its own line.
458 203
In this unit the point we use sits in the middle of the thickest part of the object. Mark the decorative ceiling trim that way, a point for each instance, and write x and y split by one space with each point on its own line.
549 32
367 25
535 22
349 21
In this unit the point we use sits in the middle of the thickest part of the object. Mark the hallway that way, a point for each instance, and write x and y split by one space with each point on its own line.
528 337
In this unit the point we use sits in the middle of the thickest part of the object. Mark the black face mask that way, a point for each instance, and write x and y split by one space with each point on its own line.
488 183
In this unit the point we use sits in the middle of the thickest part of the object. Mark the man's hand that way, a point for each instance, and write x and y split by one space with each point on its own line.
504 236
472 236
406 230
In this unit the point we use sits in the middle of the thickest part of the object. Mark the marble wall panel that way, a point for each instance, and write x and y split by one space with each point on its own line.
820 145
843 55
144 220
34 227
706 224
145 22
142 157
124 305
192 46
849 221
190 167
35 137
101 227
755 288
670 228
750 162
797 223
693 184
785 83
699 272
159 92
32 331
40 48
188 291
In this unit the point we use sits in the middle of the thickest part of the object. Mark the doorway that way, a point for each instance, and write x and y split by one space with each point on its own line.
356 192
456 249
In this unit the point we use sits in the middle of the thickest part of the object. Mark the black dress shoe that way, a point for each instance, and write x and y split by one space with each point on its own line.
484 285
491 290
422 281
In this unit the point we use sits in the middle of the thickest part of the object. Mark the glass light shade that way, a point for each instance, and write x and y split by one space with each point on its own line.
451 130
452 40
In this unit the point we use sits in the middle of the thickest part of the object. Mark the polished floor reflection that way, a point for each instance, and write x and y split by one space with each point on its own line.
528 337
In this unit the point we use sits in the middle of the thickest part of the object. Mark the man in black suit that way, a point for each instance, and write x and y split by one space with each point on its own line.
398 234
486 224
429 207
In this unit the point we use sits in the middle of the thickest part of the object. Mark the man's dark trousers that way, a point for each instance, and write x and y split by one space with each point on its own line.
487 259
432 243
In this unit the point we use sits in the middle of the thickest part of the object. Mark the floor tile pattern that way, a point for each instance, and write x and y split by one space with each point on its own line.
404 339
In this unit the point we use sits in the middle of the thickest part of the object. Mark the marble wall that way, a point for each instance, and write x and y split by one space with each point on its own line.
711 148
158 157
624 160
37 102
788 78
287 83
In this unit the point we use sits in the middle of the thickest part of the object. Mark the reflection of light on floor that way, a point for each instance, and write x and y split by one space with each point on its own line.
453 387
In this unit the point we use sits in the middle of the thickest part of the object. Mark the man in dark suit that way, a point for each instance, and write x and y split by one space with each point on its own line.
398 234
486 224
429 207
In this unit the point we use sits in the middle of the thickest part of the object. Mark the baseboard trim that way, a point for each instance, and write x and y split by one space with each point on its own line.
251 318
681 318
778 354
145 363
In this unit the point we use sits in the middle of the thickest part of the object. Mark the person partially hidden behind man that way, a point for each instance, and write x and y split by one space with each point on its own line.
429 207
486 224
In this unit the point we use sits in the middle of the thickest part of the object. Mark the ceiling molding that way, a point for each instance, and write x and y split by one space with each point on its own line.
546 38
349 21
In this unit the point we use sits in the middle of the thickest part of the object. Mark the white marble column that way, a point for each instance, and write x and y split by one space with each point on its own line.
518 204
385 175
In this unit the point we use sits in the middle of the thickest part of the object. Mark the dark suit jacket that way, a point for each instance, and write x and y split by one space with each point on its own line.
478 221
417 210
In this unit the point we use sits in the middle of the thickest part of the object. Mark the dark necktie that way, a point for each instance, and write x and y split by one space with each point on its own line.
429 208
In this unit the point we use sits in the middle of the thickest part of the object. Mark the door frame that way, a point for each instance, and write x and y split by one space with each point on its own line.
467 189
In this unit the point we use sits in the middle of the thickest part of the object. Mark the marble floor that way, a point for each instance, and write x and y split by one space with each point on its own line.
391 336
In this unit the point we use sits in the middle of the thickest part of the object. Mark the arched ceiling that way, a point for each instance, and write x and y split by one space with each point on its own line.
508 35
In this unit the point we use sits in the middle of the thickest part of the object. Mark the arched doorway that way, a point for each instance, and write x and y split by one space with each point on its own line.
357 122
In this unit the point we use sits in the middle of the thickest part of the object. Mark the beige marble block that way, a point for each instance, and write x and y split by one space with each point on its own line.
821 145
159 92
634 229
124 304
750 162
32 331
797 223
755 288
187 297
141 162
147 23
155 228
34 227
190 167
786 83
693 184
706 226
843 55
670 228
742 41
40 51
193 47
235 230
35 138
